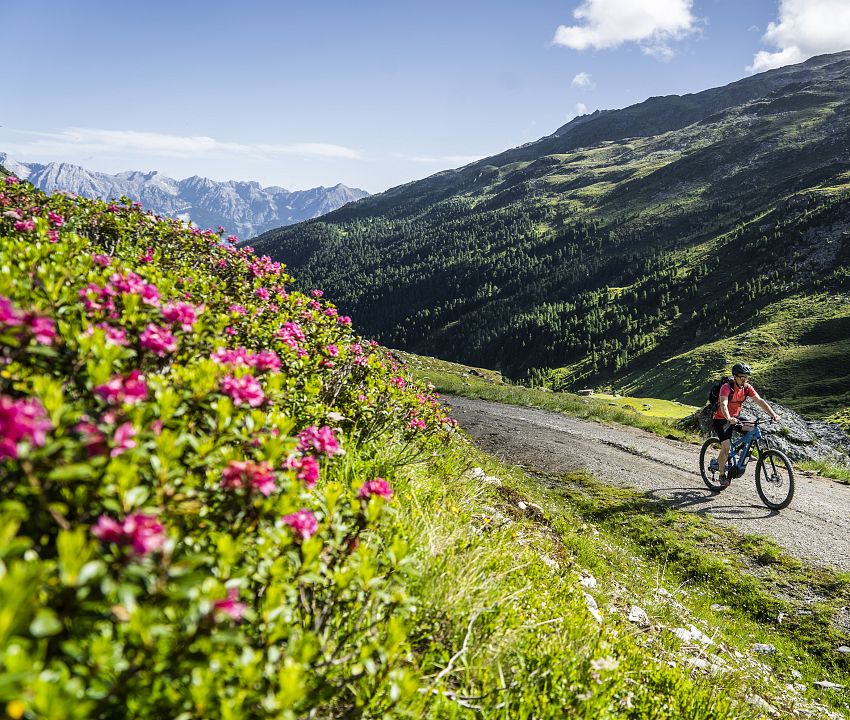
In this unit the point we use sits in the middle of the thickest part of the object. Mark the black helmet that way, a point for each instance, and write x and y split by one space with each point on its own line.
741 369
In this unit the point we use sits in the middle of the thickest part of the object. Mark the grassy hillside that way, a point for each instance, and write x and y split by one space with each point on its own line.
617 244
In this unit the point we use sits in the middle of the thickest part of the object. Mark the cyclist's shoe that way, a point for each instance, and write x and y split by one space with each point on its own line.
725 480
713 466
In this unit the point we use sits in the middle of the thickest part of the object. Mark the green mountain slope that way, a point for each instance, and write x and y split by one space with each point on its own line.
651 237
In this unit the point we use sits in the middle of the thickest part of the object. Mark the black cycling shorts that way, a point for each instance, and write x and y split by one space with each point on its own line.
721 431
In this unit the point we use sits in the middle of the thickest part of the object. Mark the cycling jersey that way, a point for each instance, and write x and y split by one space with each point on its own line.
736 399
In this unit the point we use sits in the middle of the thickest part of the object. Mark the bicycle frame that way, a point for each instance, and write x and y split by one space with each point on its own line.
739 450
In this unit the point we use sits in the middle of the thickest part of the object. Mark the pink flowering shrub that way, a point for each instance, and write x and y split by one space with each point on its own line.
182 473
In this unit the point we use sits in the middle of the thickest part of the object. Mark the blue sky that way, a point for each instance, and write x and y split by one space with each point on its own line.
368 93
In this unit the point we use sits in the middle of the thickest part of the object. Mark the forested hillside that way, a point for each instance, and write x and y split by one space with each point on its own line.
671 235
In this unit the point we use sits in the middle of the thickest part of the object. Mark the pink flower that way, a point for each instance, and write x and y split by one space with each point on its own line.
119 389
417 424
42 328
331 312
321 440
264 360
150 294
343 320
239 474
398 382
158 340
303 523
291 334
53 236
24 226
11 180
181 312
102 260
231 606
147 257
306 468
142 532
93 439
332 350
238 309
21 421
317 293
245 390
55 219
115 335
123 437
262 293
378 486
9 315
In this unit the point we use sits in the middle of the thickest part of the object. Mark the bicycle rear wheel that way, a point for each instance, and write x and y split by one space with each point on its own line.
775 479
711 477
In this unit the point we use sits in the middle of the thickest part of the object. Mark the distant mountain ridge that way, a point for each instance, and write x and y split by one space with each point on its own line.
648 247
245 209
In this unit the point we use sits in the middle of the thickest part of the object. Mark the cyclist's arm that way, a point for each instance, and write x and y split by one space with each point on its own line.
764 406
724 409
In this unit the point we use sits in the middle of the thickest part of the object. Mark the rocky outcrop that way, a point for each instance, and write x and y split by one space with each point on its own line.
798 438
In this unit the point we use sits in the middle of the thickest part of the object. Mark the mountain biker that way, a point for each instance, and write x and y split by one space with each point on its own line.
729 403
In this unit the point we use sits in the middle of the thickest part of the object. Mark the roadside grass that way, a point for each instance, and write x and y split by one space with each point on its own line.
504 629
827 470
453 379
769 596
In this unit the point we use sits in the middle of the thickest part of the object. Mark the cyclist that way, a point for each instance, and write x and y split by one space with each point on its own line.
729 402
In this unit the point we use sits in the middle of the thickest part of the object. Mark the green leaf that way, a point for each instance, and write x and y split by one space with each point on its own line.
45 624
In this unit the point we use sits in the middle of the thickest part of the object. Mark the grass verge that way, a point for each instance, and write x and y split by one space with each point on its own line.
453 379
508 561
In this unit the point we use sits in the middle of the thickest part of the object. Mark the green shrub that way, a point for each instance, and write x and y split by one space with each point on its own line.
190 493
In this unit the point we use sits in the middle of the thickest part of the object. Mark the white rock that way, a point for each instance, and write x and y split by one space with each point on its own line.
588 581
698 662
796 674
638 615
592 607
476 473
683 634
720 608
828 685
759 702
699 636
844 649
491 480
764 648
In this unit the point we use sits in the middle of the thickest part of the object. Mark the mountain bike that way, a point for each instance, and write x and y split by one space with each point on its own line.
774 472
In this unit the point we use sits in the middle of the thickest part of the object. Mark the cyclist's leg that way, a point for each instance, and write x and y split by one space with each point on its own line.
724 453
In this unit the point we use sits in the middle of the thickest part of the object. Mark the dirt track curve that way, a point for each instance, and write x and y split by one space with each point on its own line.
816 526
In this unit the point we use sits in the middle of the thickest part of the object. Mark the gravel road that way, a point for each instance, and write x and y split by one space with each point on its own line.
815 527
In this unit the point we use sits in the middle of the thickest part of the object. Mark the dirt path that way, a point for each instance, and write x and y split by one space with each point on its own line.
816 526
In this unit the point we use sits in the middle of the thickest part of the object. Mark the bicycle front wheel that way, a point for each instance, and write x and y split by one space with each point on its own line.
710 476
775 479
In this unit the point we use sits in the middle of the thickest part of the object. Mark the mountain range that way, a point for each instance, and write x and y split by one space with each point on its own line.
243 208
645 248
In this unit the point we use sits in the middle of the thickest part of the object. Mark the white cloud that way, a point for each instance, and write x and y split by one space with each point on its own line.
804 28
582 80
94 141
653 24
581 109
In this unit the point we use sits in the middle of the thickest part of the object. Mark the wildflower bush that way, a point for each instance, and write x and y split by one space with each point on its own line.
193 472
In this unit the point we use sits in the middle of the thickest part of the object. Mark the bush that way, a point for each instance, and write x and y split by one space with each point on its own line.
190 482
